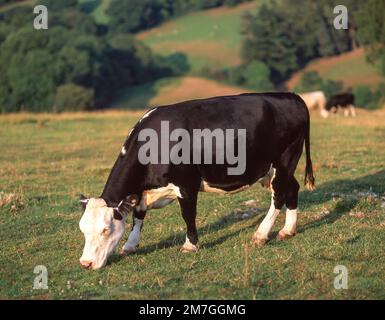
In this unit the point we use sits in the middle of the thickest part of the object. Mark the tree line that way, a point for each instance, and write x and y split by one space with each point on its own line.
77 64
286 35
137 15
72 65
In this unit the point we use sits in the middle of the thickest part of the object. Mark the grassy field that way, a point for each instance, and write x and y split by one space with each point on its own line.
97 9
46 160
171 90
208 38
351 68
9 6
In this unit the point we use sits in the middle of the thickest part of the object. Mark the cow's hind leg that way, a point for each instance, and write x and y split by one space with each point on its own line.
290 161
284 192
352 109
188 206
132 243
290 228
278 187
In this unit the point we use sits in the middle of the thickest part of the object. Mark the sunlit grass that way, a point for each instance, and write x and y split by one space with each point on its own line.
48 159
209 38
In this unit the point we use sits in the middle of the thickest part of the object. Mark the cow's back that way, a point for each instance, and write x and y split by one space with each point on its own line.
272 122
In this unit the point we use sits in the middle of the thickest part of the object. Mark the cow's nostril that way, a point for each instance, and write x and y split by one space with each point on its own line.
86 264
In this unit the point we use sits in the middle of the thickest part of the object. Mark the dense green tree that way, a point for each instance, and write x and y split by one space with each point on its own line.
74 20
371 32
33 65
286 38
72 97
266 40
136 15
2 2
31 79
58 5
369 97
312 81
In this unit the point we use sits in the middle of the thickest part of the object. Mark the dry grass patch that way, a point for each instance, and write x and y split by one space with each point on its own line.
12 201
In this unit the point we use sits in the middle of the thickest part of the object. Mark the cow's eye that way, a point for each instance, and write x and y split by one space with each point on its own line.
105 232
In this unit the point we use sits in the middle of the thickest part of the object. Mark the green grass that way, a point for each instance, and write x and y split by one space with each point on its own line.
13 5
47 160
208 38
98 9
142 95
351 69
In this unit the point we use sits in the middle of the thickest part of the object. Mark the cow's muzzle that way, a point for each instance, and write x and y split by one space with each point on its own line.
86 264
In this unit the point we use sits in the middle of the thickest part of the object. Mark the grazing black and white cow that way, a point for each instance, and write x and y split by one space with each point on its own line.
272 130
346 101
315 100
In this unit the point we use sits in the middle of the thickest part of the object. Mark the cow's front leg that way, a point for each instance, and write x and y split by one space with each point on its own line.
188 206
132 243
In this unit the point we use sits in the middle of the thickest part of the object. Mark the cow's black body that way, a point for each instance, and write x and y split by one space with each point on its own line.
343 100
277 126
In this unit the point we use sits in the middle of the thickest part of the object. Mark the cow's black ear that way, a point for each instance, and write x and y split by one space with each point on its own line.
117 215
83 201
126 205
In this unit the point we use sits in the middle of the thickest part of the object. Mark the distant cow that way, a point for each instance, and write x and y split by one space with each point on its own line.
314 100
346 101
274 129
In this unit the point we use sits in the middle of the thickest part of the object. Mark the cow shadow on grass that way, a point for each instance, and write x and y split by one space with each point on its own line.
341 188
323 193
223 222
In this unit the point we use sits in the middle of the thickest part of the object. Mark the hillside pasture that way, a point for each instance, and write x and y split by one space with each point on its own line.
47 160
172 90
97 9
13 5
351 68
209 38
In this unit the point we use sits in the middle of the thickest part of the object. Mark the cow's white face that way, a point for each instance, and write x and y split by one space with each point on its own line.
103 227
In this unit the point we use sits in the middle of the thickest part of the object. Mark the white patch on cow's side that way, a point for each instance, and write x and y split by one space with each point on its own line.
159 198
123 151
189 247
134 238
205 187
147 114
102 233
265 181
290 227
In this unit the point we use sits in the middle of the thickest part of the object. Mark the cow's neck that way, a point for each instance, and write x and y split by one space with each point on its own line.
123 181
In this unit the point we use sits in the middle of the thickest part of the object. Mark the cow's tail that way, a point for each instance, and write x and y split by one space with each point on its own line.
309 176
